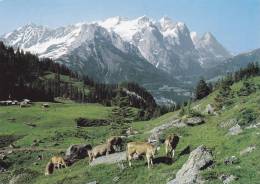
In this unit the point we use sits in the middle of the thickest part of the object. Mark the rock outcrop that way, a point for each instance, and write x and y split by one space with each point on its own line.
248 150
193 121
77 151
156 132
110 159
199 159
235 130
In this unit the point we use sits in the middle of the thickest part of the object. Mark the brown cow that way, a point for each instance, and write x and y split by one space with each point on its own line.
58 162
171 143
140 149
100 150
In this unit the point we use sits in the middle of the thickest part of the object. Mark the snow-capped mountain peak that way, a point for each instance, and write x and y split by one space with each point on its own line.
166 44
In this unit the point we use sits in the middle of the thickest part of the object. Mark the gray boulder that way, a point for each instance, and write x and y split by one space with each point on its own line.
248 150
110 159
199 159
228 123
235 130
193 121
226 179
231 160
210 109
77 151
157 131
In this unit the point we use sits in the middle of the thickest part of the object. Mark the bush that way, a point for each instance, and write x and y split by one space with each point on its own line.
247 117
248 88
82 122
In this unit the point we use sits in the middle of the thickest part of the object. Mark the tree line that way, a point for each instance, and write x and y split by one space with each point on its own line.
22 76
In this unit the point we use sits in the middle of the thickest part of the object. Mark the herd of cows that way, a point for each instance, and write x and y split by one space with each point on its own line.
133 150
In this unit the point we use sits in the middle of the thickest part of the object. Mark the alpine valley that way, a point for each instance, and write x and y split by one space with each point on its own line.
163 56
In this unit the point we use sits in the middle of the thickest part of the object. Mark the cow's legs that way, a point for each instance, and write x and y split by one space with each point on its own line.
148 160
129 160
173 152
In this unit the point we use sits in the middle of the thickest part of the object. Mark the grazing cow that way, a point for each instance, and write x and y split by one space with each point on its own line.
58 162
100 150
112 142
140 149
49 168
171 143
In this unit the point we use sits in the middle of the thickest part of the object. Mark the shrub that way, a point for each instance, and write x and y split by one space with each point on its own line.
247 117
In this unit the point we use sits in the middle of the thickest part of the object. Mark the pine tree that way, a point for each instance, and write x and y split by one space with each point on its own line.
247 88
224 96
202 90
121 116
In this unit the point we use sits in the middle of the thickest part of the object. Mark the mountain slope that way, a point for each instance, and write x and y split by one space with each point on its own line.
152 53
165 44
210 50
53 138
233 64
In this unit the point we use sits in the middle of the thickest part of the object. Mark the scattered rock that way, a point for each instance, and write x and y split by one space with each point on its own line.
199 159
156 132
116 179
229 123
78 151
248 150
121 166
12 146
130 132
231 160
110 159
39 157
210 110
2 156
193 121
226 179
257 125
235 130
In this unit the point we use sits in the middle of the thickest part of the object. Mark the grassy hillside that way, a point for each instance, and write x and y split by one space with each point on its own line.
56 130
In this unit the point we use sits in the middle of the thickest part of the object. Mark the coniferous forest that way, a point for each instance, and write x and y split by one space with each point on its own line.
25 73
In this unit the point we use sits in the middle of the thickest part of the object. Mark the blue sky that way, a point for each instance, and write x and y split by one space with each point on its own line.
235 23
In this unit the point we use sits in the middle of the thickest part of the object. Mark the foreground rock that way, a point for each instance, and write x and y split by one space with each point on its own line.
235 130
199 159
231 160
228 124
247 150
226 179
210 110
77 151
109 159
193 121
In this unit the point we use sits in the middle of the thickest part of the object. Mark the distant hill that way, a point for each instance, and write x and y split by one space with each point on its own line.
24 75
